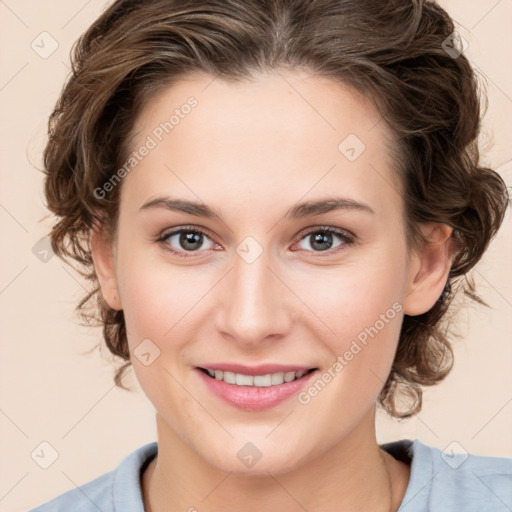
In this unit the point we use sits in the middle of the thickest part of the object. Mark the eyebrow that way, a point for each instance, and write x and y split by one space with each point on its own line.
299 211
318 207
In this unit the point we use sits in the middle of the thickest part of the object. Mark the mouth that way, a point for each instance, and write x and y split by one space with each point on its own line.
255 388
259 380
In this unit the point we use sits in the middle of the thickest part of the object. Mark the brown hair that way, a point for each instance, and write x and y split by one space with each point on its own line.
393 51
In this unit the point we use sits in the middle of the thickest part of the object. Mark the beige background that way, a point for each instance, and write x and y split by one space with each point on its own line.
50 392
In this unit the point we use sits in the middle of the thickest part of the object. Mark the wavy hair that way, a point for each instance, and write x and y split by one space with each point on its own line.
399 53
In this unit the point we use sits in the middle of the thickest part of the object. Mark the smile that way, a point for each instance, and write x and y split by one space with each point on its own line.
254 392
240 379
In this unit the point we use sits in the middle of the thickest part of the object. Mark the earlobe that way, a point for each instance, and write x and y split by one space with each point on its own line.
429 269
102 251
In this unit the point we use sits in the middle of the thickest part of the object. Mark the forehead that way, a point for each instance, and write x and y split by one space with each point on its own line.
281 135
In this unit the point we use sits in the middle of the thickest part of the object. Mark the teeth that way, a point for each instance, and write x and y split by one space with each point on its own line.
271 379
277 378
229 377
289 376
243 380
263 380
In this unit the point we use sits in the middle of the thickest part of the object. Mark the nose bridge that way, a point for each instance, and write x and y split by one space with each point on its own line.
254 306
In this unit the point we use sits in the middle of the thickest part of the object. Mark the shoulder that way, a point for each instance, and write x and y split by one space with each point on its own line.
452 479
118 489
88 497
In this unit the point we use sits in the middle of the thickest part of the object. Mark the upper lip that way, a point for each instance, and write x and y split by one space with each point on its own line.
262 369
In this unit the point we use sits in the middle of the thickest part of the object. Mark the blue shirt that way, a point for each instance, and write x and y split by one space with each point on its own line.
439 482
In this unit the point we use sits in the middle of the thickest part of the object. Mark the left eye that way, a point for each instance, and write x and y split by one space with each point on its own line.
322 239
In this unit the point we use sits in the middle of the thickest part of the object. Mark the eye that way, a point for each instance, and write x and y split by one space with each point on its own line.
189 239
186 239
321 239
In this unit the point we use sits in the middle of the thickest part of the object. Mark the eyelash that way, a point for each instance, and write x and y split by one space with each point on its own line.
345 238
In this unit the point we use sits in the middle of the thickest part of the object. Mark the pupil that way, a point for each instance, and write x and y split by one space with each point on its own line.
188 239
322 238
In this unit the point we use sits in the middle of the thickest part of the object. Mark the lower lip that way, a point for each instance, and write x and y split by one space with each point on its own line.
253 398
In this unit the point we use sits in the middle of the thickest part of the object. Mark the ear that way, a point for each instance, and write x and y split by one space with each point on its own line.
429 267
103 255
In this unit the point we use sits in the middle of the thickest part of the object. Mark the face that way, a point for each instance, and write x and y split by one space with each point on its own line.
294 255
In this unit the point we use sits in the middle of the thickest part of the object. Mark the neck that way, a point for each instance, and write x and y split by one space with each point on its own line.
354 475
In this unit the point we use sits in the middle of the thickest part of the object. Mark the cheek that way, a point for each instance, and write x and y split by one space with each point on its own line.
355 297
365 313
154 300
158 302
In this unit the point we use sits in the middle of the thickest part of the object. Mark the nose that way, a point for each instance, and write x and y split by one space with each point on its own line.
256 306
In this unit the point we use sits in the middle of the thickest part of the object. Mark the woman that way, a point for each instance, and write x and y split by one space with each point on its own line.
277 202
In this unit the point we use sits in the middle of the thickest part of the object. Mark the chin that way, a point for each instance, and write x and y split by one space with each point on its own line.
245 459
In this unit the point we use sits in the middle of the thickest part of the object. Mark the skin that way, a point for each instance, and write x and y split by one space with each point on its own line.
252 150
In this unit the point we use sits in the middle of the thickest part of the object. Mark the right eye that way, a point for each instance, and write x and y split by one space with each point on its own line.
185 240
